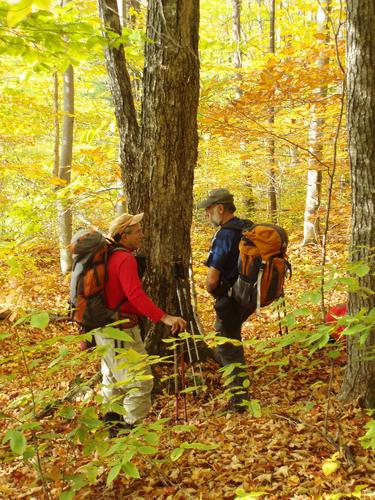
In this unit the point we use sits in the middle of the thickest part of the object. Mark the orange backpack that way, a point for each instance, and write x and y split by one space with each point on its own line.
91 251
262 265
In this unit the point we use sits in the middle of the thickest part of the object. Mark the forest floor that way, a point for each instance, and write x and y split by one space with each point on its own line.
275 452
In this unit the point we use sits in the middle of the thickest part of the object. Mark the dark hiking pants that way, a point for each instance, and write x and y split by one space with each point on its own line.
229 319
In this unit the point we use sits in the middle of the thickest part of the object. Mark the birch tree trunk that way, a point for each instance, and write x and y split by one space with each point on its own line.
237 61
311 228
56 126
272 201
359 379
63 208
158 157
236 37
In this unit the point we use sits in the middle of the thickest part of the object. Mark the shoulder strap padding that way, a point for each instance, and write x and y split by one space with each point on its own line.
244 225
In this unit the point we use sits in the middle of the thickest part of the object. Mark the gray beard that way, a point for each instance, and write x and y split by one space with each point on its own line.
215 220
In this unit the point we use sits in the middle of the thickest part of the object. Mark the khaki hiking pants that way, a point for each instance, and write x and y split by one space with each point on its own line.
123 367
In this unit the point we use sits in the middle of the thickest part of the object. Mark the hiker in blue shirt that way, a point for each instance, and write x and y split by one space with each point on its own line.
222 263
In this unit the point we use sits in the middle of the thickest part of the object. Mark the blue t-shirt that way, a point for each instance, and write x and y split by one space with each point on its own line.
223 254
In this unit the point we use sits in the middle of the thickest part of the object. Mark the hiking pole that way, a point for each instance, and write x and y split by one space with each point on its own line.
279 320
179 374
175 372
183 383
179 275
283 305
175 272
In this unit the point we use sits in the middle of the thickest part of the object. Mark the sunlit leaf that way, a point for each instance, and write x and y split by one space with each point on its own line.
130 470
17 441
113 473
40 320
18 12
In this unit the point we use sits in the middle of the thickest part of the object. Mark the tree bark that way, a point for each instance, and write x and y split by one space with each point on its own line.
272 200
120 85
56 126
158 157
63 208
359 380
311 228
236 37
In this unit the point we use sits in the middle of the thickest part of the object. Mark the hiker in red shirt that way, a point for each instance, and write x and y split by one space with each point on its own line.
124 289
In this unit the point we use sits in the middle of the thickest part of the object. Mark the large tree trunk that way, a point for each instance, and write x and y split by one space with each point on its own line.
169 140
311 228
359 380
63 208
158 157
120 85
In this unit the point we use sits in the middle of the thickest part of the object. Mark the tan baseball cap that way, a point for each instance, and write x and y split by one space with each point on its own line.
123 221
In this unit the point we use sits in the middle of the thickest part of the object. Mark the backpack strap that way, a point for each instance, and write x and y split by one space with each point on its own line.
239 227
259 282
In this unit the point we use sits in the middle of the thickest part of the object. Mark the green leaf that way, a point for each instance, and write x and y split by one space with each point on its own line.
152 438
68 412
67 495
131 470
189 389
361 269
39 320
255 408
89 418
4 335
115 333
17 441
184 427
28 453
199 446
363 338
147 450
354 329
176 454
351 283
90 471
113 473
334 354
18 12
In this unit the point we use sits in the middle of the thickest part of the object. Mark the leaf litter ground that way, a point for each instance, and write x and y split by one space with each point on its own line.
277 454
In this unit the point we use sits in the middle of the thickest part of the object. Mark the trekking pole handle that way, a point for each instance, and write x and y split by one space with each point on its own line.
178 270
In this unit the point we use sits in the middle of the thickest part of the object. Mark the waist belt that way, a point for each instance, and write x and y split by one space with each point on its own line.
131 321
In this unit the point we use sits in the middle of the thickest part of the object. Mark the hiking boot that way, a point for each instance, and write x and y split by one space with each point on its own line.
115 423
217 357
237 403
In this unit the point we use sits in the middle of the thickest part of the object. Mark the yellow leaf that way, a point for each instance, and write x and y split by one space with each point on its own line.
42 4
18 12
330 466
56 181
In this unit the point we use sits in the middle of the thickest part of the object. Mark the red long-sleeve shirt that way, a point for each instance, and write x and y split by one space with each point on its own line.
123 281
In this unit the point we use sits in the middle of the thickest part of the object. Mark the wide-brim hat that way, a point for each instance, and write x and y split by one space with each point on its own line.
216 196
123 221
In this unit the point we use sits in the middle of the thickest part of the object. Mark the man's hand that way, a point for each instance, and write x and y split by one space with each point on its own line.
212 279
176 323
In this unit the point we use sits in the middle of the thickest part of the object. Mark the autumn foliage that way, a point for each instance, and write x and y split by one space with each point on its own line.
297 439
